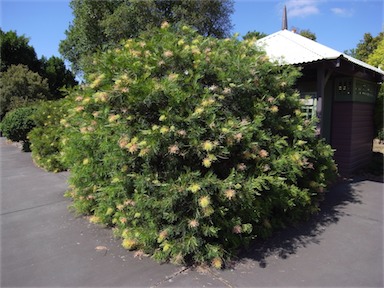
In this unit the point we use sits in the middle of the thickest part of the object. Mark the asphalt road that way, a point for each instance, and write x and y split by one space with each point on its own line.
45 244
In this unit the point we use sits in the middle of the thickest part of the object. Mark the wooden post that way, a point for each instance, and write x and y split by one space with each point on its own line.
320 98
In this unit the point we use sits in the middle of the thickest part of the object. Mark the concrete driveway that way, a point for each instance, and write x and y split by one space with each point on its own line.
45 244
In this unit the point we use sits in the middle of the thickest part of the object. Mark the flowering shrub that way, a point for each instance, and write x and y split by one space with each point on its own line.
45 137
17 124
190 147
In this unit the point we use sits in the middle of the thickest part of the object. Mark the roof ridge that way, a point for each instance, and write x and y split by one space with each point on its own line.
288 47
305 39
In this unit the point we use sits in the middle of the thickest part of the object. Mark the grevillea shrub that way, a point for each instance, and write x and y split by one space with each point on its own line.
17 124
190 147
45 138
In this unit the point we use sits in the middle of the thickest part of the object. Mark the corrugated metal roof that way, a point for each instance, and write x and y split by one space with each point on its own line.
287 47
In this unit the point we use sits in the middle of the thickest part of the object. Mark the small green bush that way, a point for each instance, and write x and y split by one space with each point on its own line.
45 138
20 87
190 147
17 124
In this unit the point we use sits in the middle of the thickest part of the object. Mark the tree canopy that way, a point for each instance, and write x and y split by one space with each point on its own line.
258 35
58 76
15 50
366 46
254 35
308 34
377 57
98 25
20 86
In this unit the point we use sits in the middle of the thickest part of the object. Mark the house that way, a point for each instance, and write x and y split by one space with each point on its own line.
340 90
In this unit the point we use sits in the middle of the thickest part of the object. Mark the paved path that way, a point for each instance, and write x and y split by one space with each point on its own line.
44 244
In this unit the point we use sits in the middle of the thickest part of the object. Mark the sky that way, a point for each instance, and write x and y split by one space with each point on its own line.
337 24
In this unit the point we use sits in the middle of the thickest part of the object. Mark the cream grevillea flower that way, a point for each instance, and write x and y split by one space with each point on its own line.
123 142
237 229
263 153
173 76
193 223
241 166
230 194
217 263
79 108
168 53
113 118
204 201
208 145
238 137
274 109
164 25
182 132
173 149
162 235
194 188
97 81
207 162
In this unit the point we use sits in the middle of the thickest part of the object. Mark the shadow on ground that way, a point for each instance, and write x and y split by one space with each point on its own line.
286 242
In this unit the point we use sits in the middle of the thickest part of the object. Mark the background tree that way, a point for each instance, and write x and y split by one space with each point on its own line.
377 59
254 34
103 24
305 33
16 50
366 46
308 34
57 75
85 34
258 35
20 86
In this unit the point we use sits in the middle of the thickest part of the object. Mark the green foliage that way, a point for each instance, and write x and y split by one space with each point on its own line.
305 33
103 24
17 124
16 50
255 35
308 34
46 137
57 75
192 146
19 86
376 58
366 46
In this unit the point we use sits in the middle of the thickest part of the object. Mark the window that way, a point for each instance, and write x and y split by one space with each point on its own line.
309 105
365 89
354 90
344 87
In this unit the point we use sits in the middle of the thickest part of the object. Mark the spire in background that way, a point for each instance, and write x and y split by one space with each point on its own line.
285 19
